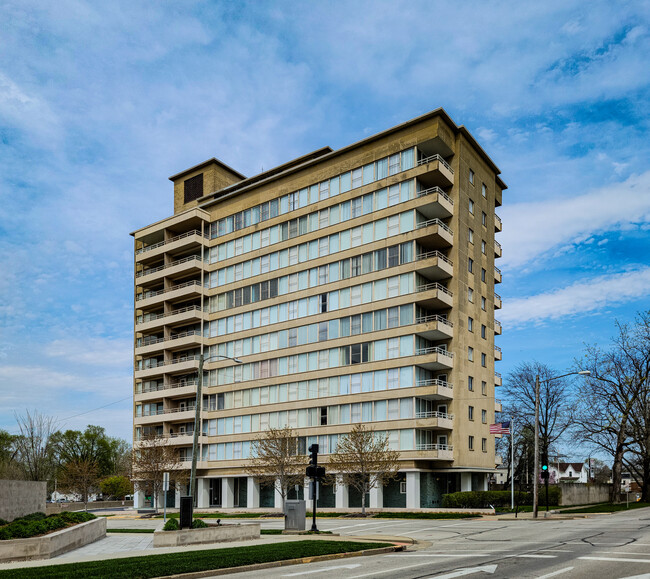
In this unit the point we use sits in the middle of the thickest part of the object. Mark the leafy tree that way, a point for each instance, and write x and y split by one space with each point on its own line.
276 460
9 468
364 460
116 487
34 451
608 399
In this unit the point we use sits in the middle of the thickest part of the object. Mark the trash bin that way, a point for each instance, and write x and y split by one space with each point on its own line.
295 515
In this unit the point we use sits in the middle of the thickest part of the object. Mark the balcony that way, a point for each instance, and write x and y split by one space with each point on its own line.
437 203
183 364
497 353
184 413
434 265
497 379
497 302
437 389
497 328
497 249
435 232
150 322
498 407
433 420
497 275
435 171
434 327
498 224
176 390
186 266
436 358
435 451
182 340
184 290
184 241
434 296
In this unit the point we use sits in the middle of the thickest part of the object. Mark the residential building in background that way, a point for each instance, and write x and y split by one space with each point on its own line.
354 285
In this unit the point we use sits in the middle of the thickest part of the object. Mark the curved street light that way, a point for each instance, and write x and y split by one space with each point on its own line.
536 466
197 412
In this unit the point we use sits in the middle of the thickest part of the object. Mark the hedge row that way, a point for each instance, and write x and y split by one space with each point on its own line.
39 524
486 499
173 525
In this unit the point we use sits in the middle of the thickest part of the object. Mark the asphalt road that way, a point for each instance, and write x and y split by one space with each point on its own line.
606 546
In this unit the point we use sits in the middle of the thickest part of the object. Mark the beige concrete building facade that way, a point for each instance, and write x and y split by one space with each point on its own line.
355 285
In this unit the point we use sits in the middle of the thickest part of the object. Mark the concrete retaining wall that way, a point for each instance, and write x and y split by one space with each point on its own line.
21 497
53 508
583 494
54 544
242 532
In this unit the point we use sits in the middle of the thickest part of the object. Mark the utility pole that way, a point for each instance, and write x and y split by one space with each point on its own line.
536 465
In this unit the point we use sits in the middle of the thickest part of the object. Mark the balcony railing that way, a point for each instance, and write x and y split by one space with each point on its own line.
433 158
497 245
497 270
434 414
497 219
497 348
162 243
434 253
434 382
434 221
434 286
172 264
179 384
432 190
151 341
159 363
433 350
431 446
152 317
497 374
151 294
167 411
497 297
497 324
497 400
433 318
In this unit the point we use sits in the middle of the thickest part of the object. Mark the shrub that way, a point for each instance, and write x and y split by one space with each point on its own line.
171 525
198 524
32 517
483 499
3 522
38 524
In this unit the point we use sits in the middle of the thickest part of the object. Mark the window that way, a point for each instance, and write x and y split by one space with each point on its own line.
470 295
484 219
470 383
483 331
470 235
484 416
402 487
470 443
483 303
322 303
483 246
470 265
470 412
471 177
483 190
484 444
484 388
483 274
471 207
193 188
470 324
470 353
483 360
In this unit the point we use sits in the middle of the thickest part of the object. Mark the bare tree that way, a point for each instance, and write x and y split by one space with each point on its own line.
9 468
364 460
34 451
80 476
151 458
617 386
555 402
276 460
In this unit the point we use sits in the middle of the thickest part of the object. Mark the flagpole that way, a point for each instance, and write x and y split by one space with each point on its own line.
512 463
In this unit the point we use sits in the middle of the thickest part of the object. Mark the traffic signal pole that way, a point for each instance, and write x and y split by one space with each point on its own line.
315 472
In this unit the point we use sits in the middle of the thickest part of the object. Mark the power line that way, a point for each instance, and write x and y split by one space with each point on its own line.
93 410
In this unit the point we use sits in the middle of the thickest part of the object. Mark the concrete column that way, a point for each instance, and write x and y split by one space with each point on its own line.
177 498
377 497
203 493
228 492
252 493
306 486
485 482
138 499
465 481
341 496
412 490
277 497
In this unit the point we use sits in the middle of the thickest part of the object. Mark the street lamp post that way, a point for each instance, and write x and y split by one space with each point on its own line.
197 414
536 465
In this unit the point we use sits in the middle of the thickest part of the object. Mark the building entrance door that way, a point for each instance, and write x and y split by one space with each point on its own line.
215 492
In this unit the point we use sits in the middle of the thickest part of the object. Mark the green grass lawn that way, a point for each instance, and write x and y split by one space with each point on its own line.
130 530
175 563
607 508
329 515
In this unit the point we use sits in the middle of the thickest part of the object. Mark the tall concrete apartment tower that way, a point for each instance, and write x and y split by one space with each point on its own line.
355 285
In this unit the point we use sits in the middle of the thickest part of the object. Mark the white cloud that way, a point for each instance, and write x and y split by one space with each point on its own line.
94 351
580 298
532 229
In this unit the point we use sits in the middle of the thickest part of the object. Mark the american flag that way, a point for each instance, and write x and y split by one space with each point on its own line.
500 428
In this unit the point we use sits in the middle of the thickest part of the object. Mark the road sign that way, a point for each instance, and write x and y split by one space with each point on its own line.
165 481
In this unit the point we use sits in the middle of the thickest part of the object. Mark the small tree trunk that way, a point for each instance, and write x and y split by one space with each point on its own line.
617 466
363 499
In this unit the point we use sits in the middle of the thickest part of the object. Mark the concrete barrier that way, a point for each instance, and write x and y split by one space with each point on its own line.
213 534
21 497
53 508
54 544
583 494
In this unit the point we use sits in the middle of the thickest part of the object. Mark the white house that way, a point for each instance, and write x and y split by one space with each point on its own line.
576 472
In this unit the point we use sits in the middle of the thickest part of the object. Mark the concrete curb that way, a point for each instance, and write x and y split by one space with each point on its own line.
285 563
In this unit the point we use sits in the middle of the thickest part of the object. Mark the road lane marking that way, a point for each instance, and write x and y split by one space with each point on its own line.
412 555
468 571
620 559
353 566
535 556
554 573
375 573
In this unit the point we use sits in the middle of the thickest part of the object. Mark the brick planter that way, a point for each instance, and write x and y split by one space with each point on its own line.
212 534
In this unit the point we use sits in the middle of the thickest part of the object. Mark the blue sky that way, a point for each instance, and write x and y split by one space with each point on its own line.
101 102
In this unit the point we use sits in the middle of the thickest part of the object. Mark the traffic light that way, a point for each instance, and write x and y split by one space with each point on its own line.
545 473
313 470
